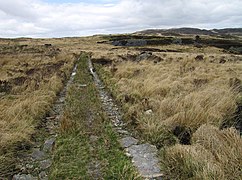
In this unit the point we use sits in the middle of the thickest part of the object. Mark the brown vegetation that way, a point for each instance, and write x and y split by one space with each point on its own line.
182 98
180 103
30 78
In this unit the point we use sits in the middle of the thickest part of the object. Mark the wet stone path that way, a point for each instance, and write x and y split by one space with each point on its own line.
35 165
144 156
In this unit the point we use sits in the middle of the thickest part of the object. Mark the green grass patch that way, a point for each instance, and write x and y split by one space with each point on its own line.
87 146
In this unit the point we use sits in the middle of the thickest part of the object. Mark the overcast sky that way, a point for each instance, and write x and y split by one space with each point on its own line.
58 18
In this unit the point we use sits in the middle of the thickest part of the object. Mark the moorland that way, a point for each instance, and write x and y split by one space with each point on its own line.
179 90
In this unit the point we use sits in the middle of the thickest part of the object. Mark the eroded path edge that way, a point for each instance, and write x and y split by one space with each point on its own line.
144 155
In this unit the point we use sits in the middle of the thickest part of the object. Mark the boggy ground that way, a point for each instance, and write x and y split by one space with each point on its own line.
87 146
184 99
33 72
30 78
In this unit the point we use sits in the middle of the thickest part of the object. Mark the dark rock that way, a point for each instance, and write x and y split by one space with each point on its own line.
130 42
235 50
177 41
136 42
143 56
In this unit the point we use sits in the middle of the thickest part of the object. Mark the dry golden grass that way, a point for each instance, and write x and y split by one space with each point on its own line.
186 93
214 154
30 80
226 147
31 75
197 96
190 162
188 98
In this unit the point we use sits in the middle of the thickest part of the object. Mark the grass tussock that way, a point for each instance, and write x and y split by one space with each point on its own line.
30 81
226 147
187 98
214 154
190 162
181 104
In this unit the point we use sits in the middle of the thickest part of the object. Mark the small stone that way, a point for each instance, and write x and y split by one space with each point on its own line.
128 141
128 154
49 145
83 85
45 164
148 112
38 155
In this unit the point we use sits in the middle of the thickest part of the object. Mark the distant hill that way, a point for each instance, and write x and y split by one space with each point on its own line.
193 31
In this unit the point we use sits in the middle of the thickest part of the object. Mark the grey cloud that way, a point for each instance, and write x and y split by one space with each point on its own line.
35 18
18 9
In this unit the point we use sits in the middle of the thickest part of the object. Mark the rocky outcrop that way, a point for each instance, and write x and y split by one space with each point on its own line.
130 42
